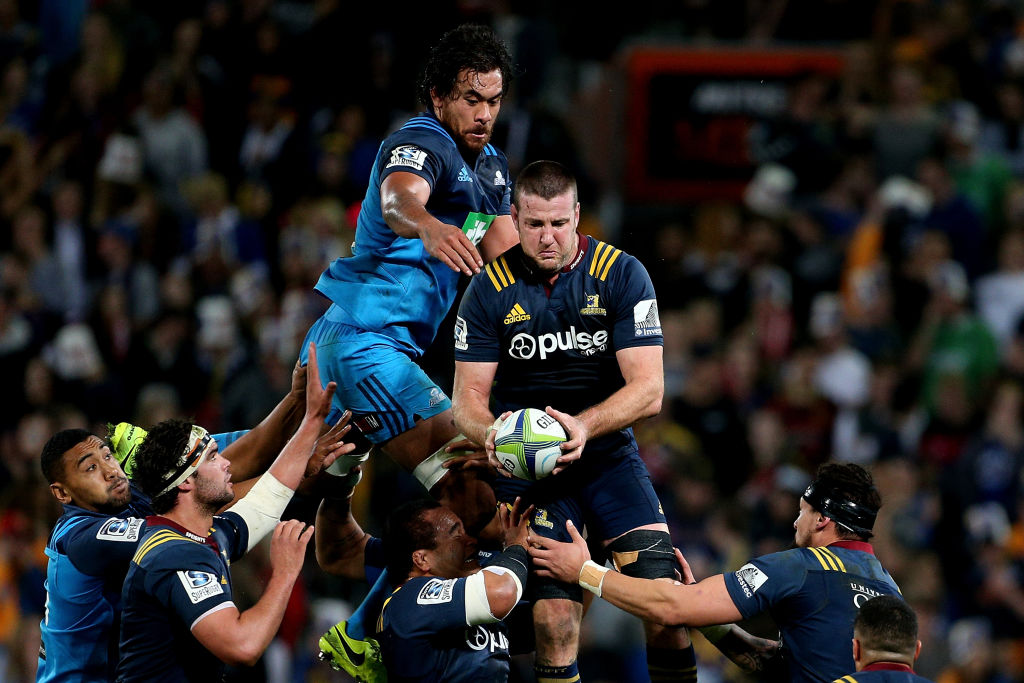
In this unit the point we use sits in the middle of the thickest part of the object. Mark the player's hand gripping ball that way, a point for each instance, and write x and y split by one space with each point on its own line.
528 443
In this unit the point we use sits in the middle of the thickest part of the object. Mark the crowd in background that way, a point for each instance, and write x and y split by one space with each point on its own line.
174 176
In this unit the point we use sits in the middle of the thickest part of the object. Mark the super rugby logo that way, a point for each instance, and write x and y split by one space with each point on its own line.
436 591
407 155
525 346
199 585
116 529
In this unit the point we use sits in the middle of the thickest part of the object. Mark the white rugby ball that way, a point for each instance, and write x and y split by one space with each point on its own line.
528 443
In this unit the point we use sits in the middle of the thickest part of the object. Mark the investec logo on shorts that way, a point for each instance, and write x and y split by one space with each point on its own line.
525 346
407 155
645 318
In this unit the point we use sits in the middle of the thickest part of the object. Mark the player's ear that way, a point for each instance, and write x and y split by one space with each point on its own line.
420 560
856 650
60 492
917 651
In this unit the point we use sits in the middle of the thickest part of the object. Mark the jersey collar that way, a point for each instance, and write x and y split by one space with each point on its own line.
887 666
583 243
163 521
853 545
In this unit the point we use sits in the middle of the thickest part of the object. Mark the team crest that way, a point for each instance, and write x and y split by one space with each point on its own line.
407 155
593 306
436 396
460 334
540 518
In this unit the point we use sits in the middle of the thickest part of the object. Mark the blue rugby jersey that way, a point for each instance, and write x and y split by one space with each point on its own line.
87 557
558 348
391 284
424 636
175 579
813 595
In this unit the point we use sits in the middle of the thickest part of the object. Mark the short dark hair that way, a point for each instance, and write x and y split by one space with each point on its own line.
886 624
468 46
405 532
846 483
157 456
52 459
544 179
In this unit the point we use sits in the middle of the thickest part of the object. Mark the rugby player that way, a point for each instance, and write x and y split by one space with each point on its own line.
565 320
885 644
813 591
438 190
97 534
178 621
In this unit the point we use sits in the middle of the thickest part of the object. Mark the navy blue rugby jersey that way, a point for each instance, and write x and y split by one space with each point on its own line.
175 579
883 672
391 284
557 347
424 636
813 595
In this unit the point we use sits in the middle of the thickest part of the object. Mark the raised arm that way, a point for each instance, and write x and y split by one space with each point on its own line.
253 452
340 541
499 238
504 579
403 203
240 638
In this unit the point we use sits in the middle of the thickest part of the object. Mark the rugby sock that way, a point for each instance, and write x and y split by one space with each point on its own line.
369 608
556 674
664 664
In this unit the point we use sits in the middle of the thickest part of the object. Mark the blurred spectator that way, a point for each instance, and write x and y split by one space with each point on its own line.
1003 135
999 295
137 279
982 176
907 128
953 215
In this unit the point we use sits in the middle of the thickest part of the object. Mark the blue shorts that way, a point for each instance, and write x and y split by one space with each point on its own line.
609 492
377 379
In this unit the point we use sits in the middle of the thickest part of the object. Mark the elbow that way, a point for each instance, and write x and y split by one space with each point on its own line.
502 597
654 407
245 654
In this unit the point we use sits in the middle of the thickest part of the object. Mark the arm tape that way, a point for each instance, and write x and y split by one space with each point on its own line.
512 562
261 508
592 577
431 470
516 560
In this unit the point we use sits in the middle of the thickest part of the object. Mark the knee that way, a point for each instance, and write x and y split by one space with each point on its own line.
557 627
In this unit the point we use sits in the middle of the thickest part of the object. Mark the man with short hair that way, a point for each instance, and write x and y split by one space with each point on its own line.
813 591
104 516
885 644
584 337
179 622
444 621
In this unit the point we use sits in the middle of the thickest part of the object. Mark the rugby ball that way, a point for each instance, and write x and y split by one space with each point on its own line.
528 443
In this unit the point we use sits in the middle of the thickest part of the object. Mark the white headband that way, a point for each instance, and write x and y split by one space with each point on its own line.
190 460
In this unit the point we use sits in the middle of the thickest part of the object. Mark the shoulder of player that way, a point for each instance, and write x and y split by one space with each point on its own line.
423 132
167 548
605 261
502 272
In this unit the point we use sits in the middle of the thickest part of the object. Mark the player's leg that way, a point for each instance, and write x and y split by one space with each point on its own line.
557 607
624 510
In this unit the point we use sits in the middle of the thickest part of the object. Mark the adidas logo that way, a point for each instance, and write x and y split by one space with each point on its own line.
464 176
516 315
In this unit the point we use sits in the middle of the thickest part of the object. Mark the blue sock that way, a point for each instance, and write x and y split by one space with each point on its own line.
369 608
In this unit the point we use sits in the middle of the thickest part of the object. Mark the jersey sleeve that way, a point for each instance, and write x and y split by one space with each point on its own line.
476 339
419 154
102 547
374 558
636 307
764 581
423 607
192 587
231 534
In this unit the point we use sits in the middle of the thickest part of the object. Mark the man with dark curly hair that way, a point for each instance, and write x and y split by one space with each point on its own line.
813 592
437 207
